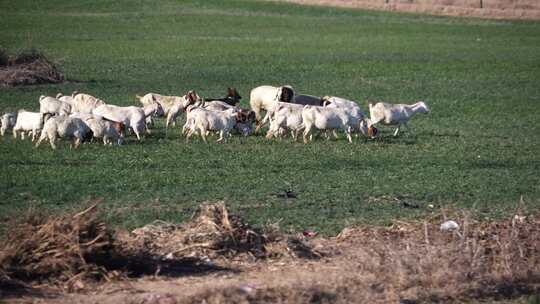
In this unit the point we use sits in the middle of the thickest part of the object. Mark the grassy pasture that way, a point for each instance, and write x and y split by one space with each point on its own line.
479 148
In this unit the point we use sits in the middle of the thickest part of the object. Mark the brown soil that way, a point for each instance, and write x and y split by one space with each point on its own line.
493 9
216 258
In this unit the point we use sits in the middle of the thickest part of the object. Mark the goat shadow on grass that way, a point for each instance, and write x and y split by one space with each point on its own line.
58 162
389 139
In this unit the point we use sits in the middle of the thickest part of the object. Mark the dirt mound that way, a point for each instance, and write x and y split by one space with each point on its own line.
213 233
28 67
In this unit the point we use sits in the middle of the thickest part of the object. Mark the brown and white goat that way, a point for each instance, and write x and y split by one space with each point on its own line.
264 98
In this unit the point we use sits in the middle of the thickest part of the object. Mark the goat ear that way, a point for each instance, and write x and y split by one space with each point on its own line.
59 95
236 94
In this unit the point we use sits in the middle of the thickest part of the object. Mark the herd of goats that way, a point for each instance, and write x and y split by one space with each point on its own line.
83 117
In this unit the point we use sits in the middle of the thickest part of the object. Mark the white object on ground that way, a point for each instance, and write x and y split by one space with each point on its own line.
449 226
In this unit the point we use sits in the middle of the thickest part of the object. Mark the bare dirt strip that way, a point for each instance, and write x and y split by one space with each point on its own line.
501 9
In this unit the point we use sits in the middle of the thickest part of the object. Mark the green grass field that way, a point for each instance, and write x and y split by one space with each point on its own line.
478 149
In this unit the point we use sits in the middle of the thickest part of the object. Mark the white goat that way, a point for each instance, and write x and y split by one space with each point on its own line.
247 116
244 123
53 106
287 116
217 105
151 98
172 105
28 122
109 131
189 125
7 122
133 117
265 98
324 118
83 116
339 102
65 98
191 113
354 109
64 127
395 114
85 103
207 120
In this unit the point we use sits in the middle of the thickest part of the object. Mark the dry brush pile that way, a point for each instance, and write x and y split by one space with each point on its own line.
63 250
28 67
213 233
72 250
413 262
409 261
482 259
